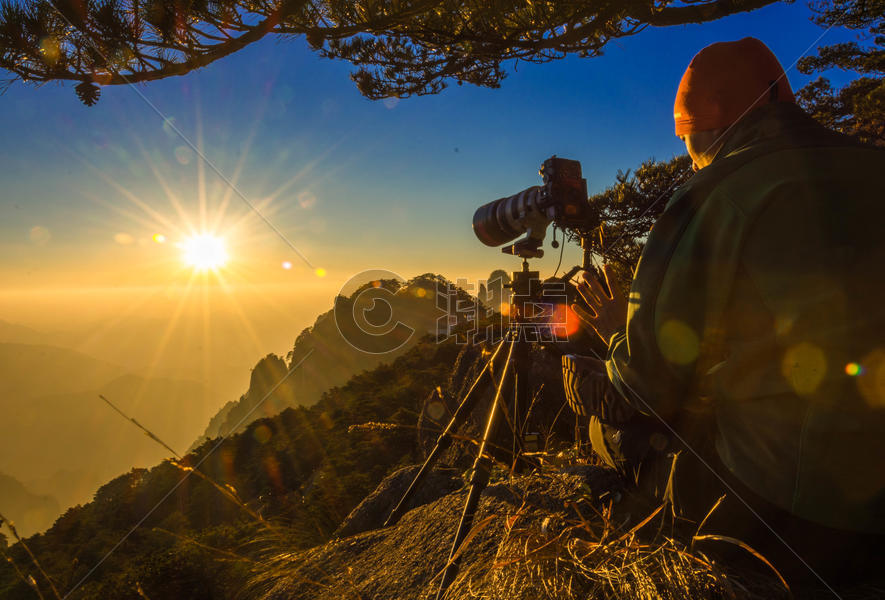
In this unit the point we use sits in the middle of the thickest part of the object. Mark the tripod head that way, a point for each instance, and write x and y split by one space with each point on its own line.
526 289
527 247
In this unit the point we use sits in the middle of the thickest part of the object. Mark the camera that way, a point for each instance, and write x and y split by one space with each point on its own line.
562 199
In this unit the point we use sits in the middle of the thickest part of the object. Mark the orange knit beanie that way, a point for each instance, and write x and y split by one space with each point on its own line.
725 81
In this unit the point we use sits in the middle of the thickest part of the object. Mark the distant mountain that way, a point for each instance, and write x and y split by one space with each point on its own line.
69 486
30 370
336 347
56 432
75 430
19 334
30 512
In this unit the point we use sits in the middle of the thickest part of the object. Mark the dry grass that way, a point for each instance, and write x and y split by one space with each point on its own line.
538 536
593 551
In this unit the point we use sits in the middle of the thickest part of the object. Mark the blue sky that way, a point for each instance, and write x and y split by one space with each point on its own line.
355 184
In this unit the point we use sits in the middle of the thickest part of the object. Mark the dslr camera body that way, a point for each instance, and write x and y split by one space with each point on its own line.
562 200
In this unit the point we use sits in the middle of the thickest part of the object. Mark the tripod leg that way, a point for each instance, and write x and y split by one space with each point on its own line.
444 440
522 366
479 477
516 413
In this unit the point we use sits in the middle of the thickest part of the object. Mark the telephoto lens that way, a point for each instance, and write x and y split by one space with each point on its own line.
508 218
562 198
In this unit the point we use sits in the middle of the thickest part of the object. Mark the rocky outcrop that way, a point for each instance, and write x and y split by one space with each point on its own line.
373 511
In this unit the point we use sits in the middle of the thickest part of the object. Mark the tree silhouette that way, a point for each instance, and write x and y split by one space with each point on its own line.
629 208
859 107
400 47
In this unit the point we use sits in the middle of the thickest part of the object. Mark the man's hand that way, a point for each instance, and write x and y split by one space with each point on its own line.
609 311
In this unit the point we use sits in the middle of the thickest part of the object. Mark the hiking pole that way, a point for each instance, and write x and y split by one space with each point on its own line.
482 469
445 438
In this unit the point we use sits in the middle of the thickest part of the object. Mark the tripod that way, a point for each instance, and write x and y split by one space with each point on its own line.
513 384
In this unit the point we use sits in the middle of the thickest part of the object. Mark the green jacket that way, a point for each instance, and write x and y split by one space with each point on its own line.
760 296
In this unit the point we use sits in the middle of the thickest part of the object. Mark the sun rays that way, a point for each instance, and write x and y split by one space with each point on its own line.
185 236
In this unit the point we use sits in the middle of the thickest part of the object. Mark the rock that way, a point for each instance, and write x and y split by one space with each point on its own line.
375 508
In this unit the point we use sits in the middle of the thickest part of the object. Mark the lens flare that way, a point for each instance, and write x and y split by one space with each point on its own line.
853 369
804 367
564 321
204 252
871 384
678 342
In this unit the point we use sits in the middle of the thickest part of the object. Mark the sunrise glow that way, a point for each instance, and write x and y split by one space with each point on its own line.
204 252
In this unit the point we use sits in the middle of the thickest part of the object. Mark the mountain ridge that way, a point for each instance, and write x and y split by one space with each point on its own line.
329 357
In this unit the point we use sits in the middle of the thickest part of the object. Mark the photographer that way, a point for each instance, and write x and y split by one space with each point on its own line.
751 350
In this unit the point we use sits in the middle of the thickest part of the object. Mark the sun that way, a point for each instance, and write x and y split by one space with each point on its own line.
204 252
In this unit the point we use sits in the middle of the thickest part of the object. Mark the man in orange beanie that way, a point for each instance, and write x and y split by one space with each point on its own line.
752 348
722 84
